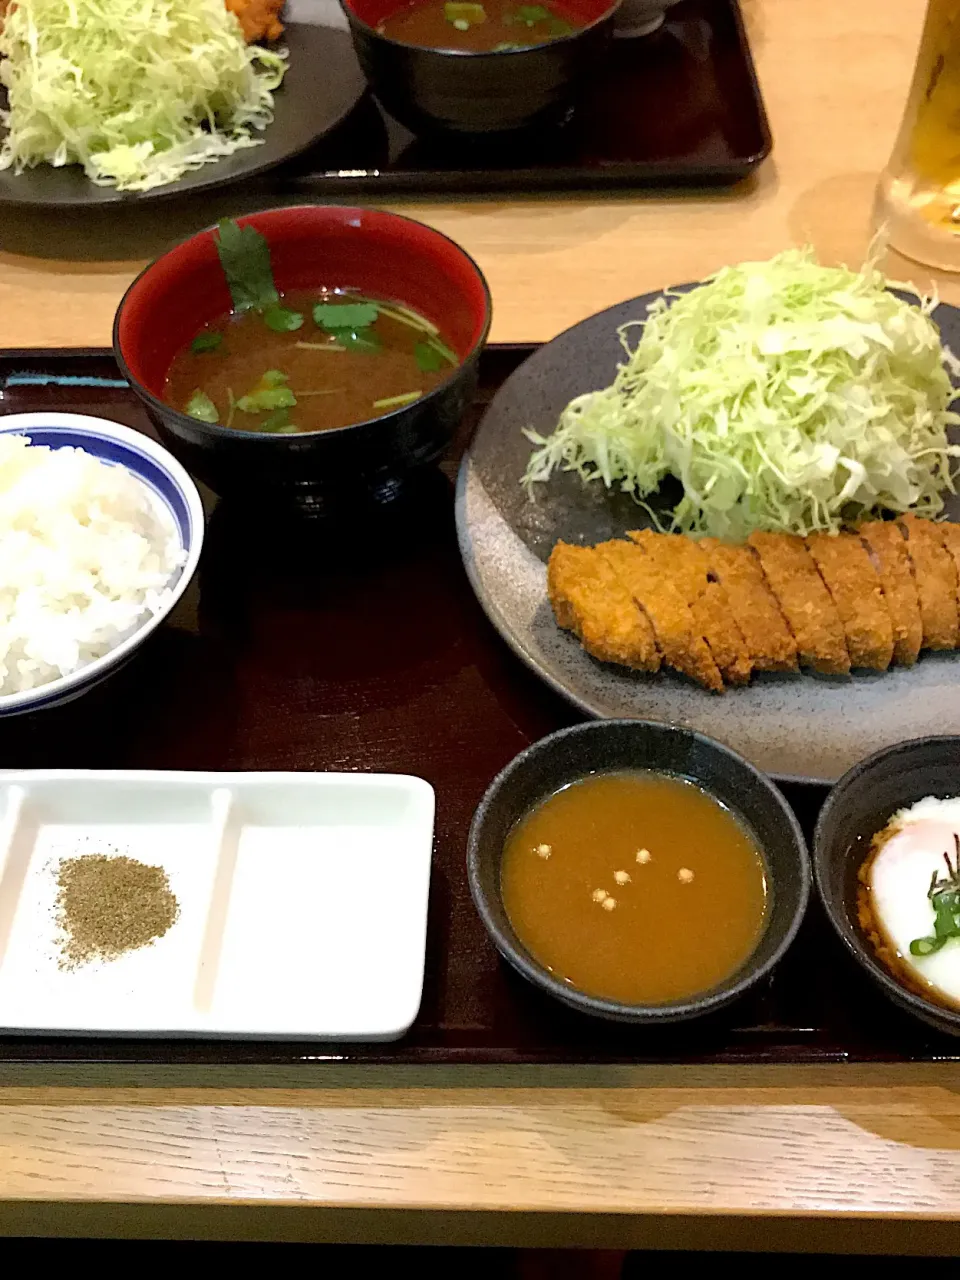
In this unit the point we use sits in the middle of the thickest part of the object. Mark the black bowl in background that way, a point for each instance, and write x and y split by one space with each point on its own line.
321 472
604 746
456 90
860 805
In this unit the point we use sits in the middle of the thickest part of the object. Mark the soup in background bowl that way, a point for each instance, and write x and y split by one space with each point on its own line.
493 26
366 253
530 77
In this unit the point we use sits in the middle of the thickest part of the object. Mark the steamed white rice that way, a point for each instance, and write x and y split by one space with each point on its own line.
87 554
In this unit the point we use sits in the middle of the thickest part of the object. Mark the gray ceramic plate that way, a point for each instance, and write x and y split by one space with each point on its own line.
804 726
322 86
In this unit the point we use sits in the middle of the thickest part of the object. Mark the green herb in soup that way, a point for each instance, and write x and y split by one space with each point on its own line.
309 360
495 26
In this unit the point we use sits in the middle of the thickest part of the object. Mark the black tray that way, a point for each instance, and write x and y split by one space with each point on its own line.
680 106
366 649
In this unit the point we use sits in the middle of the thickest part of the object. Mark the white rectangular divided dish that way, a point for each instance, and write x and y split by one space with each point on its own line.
303 903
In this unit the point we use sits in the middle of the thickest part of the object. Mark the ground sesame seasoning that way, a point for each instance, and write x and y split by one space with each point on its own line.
108 905
609 903
544 850
644 855
599 895
684 875
622 877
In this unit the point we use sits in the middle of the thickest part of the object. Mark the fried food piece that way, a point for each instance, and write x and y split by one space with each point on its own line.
852 581
936 577
678 637
810 612
589 600
769 644
886 545
260 19
685 563
950 537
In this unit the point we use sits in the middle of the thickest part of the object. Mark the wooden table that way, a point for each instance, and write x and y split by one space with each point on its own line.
836 1158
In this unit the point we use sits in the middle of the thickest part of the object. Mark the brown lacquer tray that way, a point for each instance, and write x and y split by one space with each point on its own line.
680 106
363 647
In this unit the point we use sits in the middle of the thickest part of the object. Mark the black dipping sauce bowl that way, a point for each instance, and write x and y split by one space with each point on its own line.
460 91
380 254
608 746
860 805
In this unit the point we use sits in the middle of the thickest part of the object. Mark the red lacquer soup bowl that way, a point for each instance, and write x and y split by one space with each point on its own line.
380 254
459 91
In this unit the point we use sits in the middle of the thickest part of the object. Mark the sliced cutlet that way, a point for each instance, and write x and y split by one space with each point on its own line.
936 577
589 600
678 637
888 549
854 584
766 635
810 612
950 537
685 563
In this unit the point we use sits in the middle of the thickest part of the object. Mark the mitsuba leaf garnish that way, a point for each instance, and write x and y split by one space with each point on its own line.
205 342
463 16
944 895
201 407
278 423
267 398
282 319
530 14
245 257
363 341
270 393
429 359
336 316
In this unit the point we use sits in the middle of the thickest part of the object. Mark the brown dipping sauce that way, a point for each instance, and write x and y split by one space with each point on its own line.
687 883
495 26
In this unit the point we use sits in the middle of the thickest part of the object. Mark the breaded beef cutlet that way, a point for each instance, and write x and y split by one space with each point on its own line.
888 550
936 576
685 563
678 637
259 19
852 581
589 600
810 612
769 643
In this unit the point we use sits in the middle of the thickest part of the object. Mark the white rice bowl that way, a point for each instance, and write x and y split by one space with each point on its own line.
88 554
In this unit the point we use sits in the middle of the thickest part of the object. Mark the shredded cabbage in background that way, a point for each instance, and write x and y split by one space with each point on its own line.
137 91
783 395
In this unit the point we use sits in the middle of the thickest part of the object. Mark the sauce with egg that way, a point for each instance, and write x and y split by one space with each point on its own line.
908 899
686 881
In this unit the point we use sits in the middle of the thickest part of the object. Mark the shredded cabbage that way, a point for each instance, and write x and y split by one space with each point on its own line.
137 91
783 395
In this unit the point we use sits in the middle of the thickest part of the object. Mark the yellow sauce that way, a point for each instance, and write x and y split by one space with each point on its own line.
687 883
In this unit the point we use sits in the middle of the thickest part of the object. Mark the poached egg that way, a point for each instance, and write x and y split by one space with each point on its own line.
904 858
